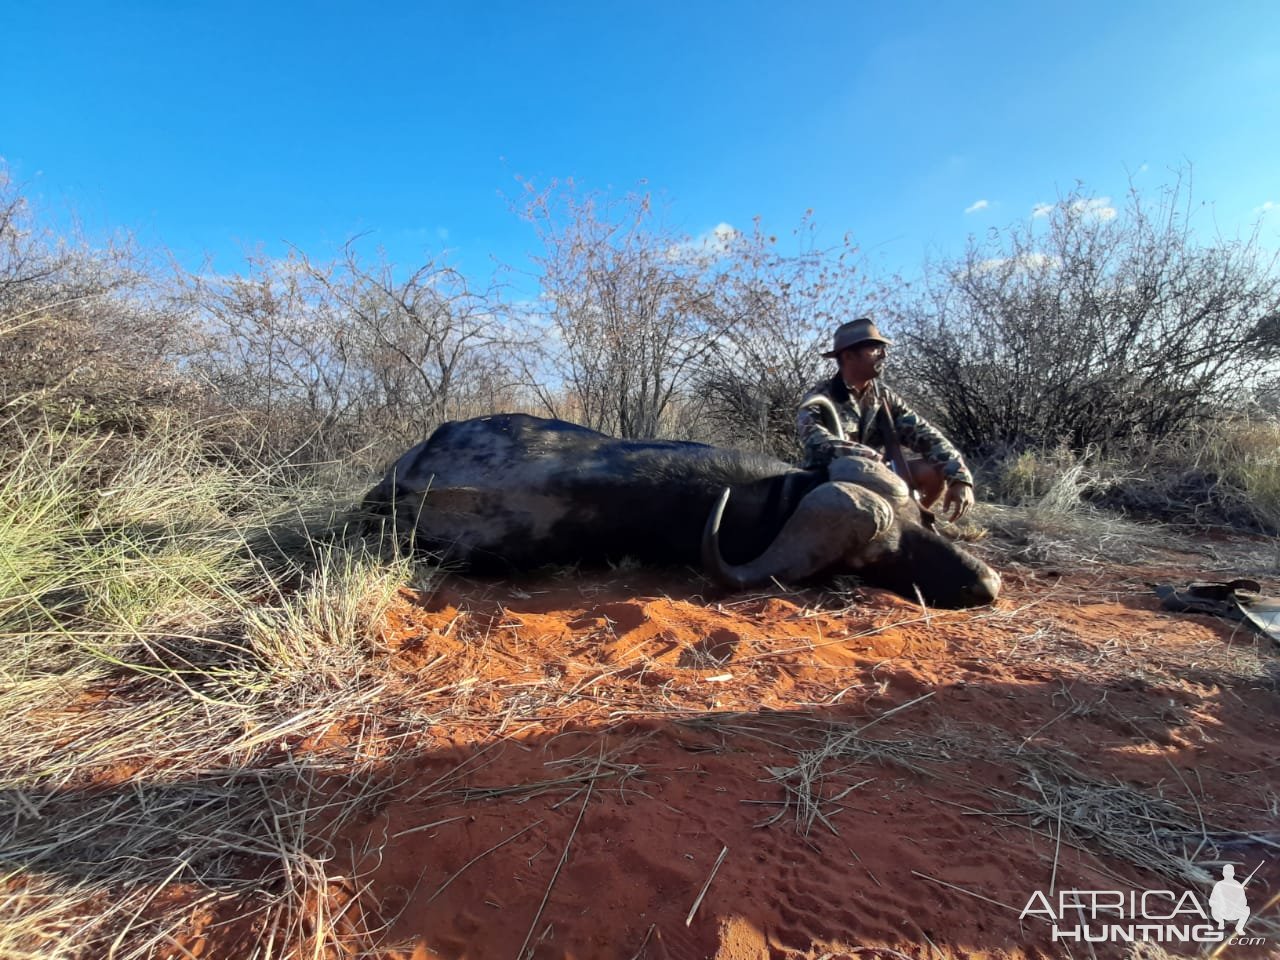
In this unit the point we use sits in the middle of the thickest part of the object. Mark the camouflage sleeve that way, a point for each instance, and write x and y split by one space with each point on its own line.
816 441
918 434
820 446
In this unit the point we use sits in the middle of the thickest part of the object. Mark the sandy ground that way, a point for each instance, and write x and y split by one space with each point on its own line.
632 764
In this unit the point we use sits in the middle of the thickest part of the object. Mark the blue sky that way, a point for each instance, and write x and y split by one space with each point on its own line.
213 128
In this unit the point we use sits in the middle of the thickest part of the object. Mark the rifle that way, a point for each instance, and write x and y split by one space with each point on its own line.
898 462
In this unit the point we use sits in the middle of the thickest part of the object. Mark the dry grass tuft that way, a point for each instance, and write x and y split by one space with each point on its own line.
173 625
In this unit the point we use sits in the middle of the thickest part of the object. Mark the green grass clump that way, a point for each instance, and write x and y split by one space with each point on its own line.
1216 473
1246 454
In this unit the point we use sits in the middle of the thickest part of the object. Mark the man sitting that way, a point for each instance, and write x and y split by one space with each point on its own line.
856 394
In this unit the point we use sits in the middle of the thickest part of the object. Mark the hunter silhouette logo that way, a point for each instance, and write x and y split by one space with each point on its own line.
1228 902
1157 916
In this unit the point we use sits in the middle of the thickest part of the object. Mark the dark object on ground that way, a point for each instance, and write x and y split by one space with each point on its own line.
517 492
1235 600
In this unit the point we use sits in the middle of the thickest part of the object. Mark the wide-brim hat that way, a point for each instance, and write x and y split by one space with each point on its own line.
855 332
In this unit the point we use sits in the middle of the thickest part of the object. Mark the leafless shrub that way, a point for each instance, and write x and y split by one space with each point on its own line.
648 332
1089 325
784 309
84 338
336 355
628 311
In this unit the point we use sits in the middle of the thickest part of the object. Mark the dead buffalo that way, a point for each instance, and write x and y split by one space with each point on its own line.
511 492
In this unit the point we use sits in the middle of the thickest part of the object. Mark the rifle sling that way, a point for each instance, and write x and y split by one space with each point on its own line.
898 460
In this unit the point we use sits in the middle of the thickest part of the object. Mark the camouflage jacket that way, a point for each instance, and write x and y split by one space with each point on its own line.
861 428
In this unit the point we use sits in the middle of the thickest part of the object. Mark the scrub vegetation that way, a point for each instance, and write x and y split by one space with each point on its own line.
179 453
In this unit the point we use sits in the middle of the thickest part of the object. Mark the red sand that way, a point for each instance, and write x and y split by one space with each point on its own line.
601 739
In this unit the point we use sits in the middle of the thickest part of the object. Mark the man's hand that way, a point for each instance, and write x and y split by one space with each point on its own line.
959 499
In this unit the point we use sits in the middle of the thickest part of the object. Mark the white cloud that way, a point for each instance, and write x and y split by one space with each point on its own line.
1267 207
1023 263
1091 208
1144 168
976 206
1096 208
709 246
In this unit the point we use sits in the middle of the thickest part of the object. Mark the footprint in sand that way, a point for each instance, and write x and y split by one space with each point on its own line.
712 651
625 615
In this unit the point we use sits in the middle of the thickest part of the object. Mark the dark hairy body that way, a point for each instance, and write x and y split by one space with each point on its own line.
512 492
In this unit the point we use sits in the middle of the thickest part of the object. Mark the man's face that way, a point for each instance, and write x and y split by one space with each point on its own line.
864 362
